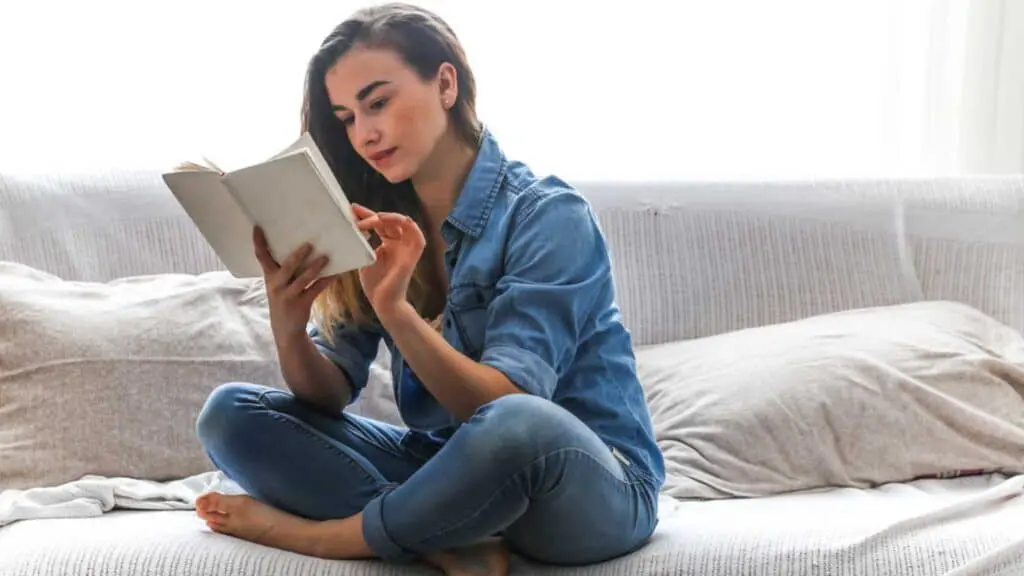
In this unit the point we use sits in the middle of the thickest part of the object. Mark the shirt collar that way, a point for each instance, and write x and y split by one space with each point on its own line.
473 206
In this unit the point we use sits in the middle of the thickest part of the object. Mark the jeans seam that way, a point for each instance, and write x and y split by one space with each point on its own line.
627 481
639 473
357 430
291 420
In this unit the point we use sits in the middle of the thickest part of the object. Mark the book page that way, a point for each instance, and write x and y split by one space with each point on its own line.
222 222
306 144
287 197
303 142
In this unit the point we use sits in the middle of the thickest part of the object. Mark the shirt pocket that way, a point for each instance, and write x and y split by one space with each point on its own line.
467 309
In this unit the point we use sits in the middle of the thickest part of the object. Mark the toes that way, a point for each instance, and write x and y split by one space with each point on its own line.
211 514
216 521
209 502
226 504
222 503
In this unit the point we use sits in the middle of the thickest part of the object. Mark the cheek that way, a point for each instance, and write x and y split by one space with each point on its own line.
414 126
403 123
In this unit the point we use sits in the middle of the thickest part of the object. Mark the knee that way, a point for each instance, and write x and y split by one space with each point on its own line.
224 415
521 426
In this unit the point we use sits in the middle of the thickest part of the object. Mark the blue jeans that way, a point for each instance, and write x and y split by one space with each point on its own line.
521 466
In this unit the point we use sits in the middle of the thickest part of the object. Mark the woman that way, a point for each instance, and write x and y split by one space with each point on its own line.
527 427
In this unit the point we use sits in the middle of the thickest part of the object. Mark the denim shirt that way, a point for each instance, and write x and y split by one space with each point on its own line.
531 294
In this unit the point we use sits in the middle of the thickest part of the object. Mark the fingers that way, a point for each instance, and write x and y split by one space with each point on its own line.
368 223
394 218
309 274
406 228
314 290
362 211
267 262
381 226
290 278
366 215
290 267
389 225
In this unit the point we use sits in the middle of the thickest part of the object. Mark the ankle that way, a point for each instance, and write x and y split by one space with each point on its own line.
340 539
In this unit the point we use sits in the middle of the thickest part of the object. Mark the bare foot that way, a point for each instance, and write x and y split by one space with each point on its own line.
487 558
249 519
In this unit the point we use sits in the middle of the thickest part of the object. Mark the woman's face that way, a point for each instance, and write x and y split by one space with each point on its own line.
393 118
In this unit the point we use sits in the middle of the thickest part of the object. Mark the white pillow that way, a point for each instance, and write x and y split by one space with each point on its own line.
108 378
856 398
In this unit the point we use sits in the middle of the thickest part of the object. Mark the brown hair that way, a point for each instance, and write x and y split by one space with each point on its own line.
424 41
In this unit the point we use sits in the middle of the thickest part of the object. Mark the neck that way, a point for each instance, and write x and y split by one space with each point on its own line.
442 177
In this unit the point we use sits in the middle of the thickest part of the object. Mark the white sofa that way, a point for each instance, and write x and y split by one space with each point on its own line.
694 262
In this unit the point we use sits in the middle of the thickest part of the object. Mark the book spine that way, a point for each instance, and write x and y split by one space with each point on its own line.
238 202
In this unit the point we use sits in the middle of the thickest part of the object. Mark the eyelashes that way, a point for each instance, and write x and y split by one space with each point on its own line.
375 106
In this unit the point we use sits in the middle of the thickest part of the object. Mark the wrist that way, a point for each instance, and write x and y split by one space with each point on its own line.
291 338
395 316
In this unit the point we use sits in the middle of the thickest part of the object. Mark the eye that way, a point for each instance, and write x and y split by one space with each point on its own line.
378 104
347 120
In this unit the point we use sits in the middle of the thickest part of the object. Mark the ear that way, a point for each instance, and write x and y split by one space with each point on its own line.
448 85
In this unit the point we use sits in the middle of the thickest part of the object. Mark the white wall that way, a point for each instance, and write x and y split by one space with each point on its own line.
645 89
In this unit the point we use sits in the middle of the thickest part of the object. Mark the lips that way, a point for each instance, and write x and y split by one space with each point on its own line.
382 156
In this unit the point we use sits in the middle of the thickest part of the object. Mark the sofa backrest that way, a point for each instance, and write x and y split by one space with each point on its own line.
697 259
97 227
691 259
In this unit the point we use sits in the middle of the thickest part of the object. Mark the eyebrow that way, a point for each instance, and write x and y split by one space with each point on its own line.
363 93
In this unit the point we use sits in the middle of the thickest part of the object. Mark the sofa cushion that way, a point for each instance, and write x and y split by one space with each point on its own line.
107 378
856 398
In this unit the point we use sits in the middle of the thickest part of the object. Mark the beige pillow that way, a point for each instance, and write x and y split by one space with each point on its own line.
856 399
107 378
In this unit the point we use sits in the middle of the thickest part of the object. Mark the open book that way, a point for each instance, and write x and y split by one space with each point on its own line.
294 197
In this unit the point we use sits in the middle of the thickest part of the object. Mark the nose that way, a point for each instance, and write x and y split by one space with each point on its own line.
365 132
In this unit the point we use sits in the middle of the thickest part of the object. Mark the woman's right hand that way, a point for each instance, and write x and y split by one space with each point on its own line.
291 286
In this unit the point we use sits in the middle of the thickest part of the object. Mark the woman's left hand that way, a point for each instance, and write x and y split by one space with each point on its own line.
386 281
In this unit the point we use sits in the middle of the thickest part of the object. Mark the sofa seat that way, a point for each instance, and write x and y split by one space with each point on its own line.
903 528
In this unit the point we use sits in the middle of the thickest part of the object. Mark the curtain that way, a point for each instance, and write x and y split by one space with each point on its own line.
622 90
992 113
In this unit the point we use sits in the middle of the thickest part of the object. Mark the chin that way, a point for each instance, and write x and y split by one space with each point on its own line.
393 179
396 174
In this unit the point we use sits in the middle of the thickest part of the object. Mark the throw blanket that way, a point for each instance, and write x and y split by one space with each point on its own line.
95 495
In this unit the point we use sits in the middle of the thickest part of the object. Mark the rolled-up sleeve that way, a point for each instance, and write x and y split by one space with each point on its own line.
556 268
352 349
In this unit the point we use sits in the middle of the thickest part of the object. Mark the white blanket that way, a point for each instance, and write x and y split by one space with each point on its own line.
94 495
